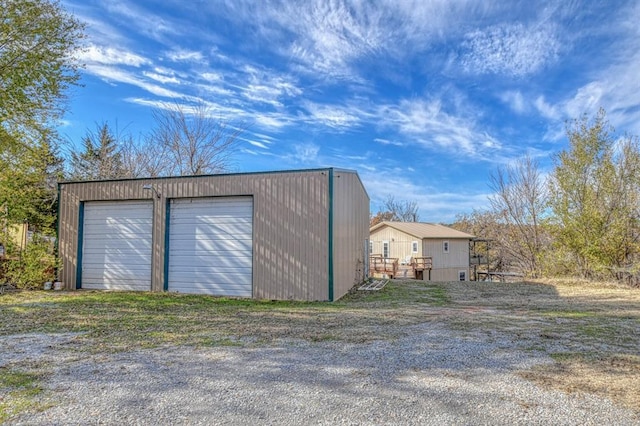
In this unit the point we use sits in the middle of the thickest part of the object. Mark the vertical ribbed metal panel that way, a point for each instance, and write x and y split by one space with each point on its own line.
290 225
350 231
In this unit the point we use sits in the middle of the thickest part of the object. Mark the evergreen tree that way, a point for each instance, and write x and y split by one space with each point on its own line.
101 157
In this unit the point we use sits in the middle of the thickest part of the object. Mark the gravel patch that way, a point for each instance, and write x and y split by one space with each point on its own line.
433 376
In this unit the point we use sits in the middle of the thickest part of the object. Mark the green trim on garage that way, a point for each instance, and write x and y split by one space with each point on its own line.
80 245
167 221
330 242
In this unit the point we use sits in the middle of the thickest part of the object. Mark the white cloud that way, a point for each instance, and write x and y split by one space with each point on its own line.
434 205
112 74
184 55
162 78
332 116
212 76
258 144
272 122
144 21
266 86
426 123
306 153
547 110
111 56
510 49
515 100
387 142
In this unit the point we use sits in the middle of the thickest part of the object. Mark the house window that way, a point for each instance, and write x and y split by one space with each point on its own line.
385 249
445 246
462 275
370 247
414 247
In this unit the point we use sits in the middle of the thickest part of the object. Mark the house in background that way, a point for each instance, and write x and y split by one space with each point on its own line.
447 247
288 235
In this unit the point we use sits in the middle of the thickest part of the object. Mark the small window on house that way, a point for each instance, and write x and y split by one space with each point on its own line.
462 275
370 247
414 247
385 249
445 246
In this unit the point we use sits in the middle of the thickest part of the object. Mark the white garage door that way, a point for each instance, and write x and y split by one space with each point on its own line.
210 246
116 245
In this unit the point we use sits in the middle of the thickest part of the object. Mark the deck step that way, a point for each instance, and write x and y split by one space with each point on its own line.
374 285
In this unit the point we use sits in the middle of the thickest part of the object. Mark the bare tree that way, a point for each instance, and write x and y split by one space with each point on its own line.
144 159
519 200
400 211
189 141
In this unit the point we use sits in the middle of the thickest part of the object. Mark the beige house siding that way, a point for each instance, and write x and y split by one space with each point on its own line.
446 266
350 230
399 243
290 229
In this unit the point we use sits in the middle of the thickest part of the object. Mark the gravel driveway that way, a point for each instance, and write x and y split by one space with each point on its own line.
431 377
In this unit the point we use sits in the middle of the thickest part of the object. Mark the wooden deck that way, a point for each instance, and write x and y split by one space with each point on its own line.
390 267
383 265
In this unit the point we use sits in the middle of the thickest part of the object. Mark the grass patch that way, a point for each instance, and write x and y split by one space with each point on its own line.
114 321
19 392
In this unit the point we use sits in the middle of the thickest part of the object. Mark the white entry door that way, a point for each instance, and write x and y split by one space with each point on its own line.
211 246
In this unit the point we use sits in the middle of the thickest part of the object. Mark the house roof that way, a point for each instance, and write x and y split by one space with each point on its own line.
423 230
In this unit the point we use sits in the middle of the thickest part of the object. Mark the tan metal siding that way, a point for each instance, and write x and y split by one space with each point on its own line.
290 225
350 231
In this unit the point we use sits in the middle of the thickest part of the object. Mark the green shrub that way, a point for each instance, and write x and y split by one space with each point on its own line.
33 266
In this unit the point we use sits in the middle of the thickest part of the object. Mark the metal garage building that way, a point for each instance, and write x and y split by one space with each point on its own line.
296 235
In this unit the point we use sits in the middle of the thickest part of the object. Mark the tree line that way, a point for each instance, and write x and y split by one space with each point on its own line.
582 219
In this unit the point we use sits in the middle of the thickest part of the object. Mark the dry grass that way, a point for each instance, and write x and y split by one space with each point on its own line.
591 331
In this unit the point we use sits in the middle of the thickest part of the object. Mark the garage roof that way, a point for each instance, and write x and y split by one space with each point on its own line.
423 230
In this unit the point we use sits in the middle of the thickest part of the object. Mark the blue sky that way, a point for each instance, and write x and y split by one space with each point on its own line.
423 98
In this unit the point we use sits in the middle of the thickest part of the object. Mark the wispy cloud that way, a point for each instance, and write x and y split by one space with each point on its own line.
434 205
332 116
161 78
142 20
111 56
388 142
185 55
427 123
114 74
265 86
510 49
515 100
305 153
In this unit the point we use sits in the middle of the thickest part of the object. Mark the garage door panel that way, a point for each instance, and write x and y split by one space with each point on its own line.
211 250
193 263
122 285
117 245
128 275
221 232
107 232
229 243
211 246
134 243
